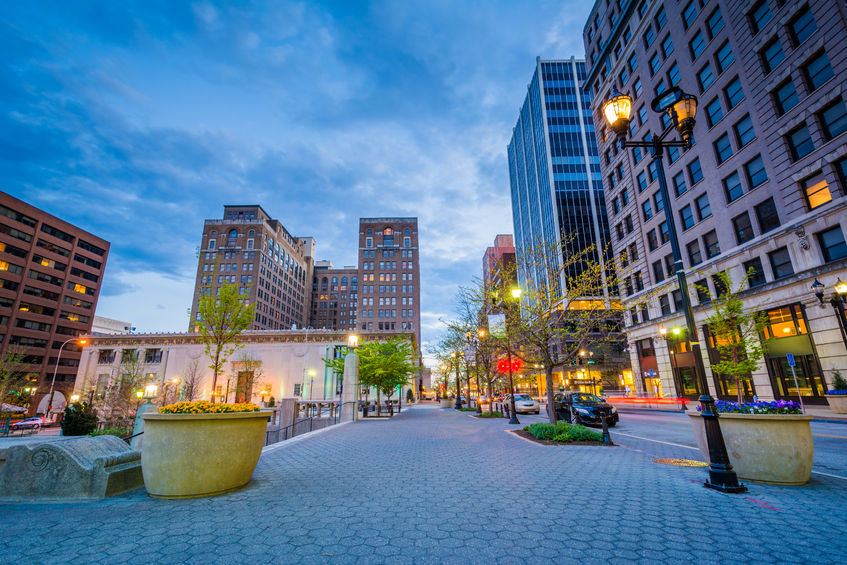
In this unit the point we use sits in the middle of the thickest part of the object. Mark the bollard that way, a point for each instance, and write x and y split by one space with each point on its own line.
390 409
604 414
364 410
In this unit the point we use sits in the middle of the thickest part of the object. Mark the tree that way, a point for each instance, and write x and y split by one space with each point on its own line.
568 301
121 397
192 380
735 333
249 375
385 365
222 320
12 373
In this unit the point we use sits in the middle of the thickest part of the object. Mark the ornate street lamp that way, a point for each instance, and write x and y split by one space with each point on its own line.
56 369
681 107
837 301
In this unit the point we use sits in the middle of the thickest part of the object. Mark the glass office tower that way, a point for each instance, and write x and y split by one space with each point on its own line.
554 169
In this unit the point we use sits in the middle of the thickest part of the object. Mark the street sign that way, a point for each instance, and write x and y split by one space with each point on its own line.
790 357
651 373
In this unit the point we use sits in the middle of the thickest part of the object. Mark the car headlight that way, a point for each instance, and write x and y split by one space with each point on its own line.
614 410
583 411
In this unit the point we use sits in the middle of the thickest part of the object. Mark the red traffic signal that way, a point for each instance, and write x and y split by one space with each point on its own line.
503 365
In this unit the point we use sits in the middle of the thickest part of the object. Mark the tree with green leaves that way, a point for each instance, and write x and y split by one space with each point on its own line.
12 373
222 320
385 365
735 333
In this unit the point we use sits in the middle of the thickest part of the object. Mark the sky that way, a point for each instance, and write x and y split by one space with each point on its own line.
138 120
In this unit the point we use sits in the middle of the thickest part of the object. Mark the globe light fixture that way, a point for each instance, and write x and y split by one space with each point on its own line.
817 288
841 287
516 293
618 112
352 341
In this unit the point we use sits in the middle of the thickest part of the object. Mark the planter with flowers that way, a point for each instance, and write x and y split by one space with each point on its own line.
837 395
196 449
766 441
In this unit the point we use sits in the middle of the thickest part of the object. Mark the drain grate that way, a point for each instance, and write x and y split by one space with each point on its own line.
681 462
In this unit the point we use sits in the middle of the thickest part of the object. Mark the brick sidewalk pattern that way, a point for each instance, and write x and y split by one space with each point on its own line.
436 486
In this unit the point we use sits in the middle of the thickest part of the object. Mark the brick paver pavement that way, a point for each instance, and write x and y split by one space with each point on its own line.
437 486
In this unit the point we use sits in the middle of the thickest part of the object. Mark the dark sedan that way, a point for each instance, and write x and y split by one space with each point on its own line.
584 408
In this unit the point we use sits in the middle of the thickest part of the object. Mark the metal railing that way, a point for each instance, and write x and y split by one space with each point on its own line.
304 425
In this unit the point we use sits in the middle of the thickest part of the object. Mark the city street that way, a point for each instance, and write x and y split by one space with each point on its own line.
657 432
439 486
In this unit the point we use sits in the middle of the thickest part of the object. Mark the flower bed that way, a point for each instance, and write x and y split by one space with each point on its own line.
833 391
563 432
494 414
206 407
773 407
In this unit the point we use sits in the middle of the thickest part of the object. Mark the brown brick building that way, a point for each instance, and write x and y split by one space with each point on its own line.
271 267
50 278
764 188
335 294
389 276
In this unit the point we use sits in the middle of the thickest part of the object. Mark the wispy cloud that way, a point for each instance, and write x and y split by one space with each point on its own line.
138 120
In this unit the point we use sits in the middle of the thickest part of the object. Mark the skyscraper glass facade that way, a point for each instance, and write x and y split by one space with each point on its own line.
554 168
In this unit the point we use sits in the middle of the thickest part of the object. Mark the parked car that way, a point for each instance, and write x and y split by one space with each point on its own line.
585 408
524 404
28 423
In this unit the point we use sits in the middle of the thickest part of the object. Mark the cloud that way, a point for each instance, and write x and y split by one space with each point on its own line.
138 121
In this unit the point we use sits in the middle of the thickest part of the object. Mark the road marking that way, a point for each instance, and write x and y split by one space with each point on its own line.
697 449
827 435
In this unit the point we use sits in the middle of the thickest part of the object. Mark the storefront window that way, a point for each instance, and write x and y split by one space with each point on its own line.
785 322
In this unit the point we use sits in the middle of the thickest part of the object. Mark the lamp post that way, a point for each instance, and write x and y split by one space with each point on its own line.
590 354
458 405
837 301
681 108
56 370
480 334
513 418
311 382
177 382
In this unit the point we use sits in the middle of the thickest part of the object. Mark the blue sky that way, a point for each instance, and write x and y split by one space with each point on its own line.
138 120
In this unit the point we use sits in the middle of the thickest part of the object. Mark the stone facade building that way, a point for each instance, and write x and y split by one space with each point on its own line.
272 268
763 189
50 278
335 297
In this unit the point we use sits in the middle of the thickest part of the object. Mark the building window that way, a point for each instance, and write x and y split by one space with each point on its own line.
724 57
734 93
661 17
674 154
785 97
818 71
802 26
642 115
633 62
655 63
695 172
714 23
703 208
780 263
710 241
369 242
637 88
686 216
743 228
800 142
652 240
689 14
834 120
732 187
664 234
816 191
664 305
832 244
647 210
744 132
772 55
667 46
658 271
759 16
642 181
673 74
702 288
679 183
649 37
657 201
697 45
705 77
212 243
754 272
714 113
756 174
767 215
723 149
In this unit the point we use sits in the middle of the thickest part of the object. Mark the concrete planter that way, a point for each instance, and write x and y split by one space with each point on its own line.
191 455
837 402
772 448
447 403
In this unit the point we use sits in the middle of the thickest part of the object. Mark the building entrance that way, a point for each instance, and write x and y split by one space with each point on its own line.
808 379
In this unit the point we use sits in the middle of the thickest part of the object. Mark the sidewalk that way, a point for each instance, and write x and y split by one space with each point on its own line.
439 486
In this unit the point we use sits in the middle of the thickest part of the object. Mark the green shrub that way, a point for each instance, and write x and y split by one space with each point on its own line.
119 432
468 409
493 414
79 420
541 430
562 432
838 382
410 396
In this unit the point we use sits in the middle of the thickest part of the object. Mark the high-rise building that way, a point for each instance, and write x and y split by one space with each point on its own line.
335 296
389 276
50 278
763 189
272 268
557 193
498 257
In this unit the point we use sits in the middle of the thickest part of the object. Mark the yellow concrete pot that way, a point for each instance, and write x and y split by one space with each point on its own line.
837 403
447 403
189 455
772 448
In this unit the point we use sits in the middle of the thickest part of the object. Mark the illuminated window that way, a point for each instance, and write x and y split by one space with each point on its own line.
785 322
817 191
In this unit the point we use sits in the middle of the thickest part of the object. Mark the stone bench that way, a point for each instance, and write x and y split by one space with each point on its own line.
68 468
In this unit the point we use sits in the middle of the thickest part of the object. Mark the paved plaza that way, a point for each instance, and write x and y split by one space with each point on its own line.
438 486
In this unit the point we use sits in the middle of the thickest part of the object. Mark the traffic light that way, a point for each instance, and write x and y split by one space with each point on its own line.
503 365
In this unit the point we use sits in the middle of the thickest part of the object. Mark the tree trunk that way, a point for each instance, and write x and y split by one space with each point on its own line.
490 399
740 390
378 403
548 378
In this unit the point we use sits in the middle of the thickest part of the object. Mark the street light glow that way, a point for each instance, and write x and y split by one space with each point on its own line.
516 293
